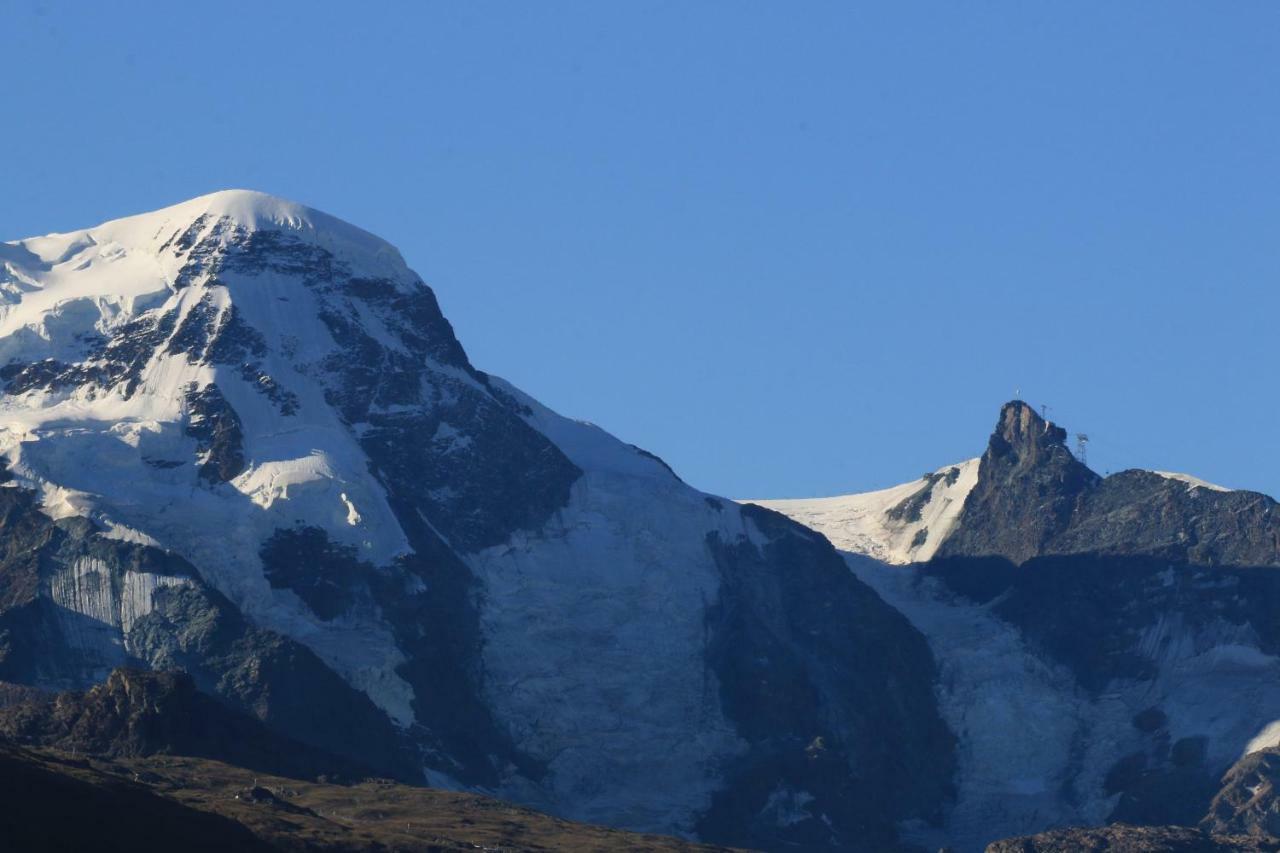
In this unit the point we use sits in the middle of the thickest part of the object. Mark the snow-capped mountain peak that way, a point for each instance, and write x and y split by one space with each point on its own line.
165 369
272 412
245 209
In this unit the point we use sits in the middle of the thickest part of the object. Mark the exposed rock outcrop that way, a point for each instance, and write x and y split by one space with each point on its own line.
1033 498
1248 802
1029 489
845 742
137 713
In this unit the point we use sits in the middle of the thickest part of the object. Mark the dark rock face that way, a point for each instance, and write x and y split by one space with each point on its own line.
1137 512
1169 783
832 690
1028 490
41 642
137 713
219 437
426 461
327 576
1120 838
1034 498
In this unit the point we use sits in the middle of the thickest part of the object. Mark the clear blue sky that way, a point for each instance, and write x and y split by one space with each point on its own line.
793 248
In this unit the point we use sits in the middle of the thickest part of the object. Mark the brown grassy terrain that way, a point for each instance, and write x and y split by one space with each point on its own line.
1121 838
58 801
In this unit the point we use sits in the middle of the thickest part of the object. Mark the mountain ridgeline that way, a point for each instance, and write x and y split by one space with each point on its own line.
1034 499
259 511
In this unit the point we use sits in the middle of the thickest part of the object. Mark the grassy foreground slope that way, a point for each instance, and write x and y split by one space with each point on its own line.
57 801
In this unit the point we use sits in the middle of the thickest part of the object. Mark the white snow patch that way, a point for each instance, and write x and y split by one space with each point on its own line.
1192 482
353 516
860 524
1265 739
127 534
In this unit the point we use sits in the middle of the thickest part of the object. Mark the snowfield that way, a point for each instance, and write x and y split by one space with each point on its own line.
861 524
1192 482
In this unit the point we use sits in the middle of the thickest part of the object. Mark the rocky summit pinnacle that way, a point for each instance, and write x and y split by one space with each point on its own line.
1033 497
1027 490
1023 432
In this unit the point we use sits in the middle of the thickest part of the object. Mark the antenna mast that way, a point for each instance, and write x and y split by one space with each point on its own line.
1082 446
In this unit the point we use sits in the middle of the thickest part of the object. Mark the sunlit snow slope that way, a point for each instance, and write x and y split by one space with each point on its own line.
902 524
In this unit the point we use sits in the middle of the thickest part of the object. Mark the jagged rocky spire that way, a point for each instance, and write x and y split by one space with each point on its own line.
1033 497
1029 485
